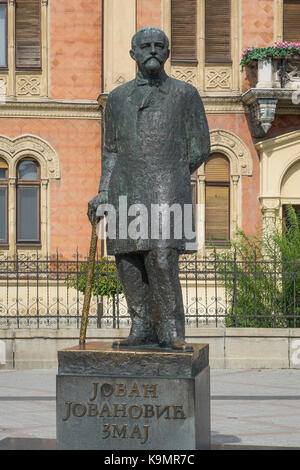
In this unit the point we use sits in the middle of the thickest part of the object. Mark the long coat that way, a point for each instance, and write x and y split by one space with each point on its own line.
156 136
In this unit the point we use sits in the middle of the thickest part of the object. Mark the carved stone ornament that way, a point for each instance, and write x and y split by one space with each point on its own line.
3 88
28 86
236 150
269 205
186 74
13 149
264 103
262 115
218 78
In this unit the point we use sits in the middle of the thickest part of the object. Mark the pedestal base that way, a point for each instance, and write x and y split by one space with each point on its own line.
137 399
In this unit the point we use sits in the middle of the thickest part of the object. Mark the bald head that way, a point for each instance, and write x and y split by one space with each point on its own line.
147 31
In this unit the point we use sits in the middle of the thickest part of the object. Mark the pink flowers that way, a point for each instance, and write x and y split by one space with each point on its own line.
287 45
245 52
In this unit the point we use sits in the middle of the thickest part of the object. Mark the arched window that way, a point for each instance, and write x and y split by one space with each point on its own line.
28 201
217 199
3 202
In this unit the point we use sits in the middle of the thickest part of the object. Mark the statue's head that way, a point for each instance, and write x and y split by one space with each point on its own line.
150 50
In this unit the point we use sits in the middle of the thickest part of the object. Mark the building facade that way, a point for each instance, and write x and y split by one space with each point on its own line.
60 59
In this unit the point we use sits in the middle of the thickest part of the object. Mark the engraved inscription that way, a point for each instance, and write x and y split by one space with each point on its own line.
139 411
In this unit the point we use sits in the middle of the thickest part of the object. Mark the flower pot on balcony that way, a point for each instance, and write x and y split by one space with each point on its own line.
265 73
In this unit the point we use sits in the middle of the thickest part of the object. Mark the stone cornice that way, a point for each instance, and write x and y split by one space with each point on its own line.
223 104
50 109
213 104
278 142
283 96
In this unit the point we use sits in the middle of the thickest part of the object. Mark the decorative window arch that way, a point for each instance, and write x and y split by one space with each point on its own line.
14 152
229 145
277 156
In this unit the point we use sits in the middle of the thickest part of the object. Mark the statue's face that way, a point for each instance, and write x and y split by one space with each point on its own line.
151 52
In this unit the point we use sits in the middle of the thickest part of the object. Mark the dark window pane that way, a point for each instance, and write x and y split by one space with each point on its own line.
28 213
3 214
3 172
3 40
28 170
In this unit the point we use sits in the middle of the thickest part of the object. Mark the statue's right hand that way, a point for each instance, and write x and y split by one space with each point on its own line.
101 198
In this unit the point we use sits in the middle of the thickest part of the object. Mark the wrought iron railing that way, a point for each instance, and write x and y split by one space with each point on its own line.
40 292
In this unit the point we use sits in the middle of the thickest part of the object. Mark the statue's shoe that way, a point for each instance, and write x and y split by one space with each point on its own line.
132 340
178 345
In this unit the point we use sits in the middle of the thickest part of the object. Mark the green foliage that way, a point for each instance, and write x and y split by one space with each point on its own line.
279 50
262 277
105 279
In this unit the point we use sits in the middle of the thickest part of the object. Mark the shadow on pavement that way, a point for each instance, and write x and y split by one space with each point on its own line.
13 443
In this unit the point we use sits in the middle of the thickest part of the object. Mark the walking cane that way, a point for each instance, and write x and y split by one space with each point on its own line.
88 283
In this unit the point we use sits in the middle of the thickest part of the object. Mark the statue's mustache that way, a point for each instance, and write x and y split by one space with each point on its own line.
153 57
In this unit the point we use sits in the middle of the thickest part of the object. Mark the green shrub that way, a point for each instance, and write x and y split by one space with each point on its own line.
261 275
105 279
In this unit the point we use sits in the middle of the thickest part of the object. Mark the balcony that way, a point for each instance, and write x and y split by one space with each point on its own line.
275 87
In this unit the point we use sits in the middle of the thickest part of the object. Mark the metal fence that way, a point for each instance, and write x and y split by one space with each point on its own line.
48 293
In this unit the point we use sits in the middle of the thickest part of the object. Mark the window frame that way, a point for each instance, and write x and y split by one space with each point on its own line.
222 184
30 184
29 67
5 68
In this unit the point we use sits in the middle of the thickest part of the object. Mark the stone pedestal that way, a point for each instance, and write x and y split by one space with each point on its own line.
133 399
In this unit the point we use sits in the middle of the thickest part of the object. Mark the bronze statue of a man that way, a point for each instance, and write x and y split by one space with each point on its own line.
156 136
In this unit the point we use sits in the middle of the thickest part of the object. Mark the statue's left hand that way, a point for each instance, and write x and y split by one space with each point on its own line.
101 198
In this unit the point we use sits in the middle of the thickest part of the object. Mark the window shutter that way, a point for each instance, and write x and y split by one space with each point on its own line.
291 20
217 198
217 213
217 30
3 164
183 29
217 169
28 34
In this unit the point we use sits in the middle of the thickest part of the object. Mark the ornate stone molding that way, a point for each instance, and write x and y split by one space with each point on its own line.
14 149
218 78
219 104
235 149
28 85
270 206
3 87
50 109
223 104
186 74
